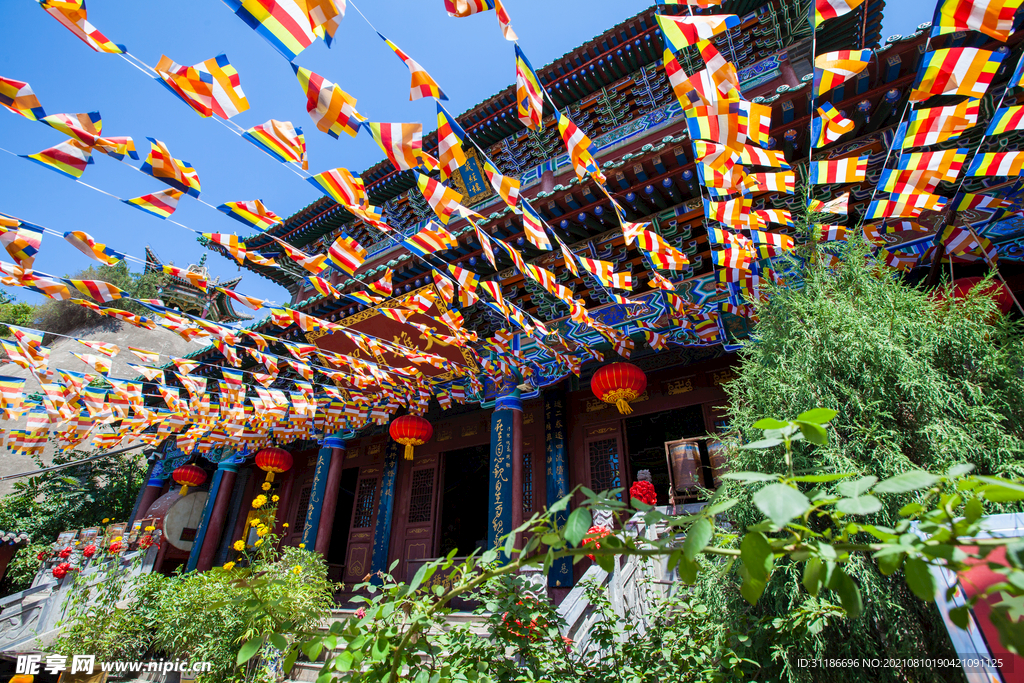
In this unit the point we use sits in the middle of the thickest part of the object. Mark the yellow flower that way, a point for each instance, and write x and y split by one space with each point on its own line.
239 546
150 528
117 539
274 499
302 545
266 486
262 531
259 501
229 565
254 522
285 525
78 542
297 569
258 543
105 520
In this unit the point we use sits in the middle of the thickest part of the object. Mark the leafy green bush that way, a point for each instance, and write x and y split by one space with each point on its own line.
197 616
917 383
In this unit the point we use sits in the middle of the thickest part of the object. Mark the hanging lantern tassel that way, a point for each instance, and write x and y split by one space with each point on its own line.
619 383
188 475
410 431
273 460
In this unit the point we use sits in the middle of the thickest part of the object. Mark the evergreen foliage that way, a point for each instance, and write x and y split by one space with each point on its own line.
919 382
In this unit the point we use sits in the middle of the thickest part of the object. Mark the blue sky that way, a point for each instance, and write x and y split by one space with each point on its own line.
468 57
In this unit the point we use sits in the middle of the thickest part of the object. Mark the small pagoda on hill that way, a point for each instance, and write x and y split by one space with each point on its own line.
179 293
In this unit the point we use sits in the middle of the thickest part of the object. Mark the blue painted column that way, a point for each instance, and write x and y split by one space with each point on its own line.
329 505
316 497
385 509
556 466
505 506
213 528
197 543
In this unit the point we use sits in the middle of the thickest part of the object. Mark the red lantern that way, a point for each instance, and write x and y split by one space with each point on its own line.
273 461
997 290
619 383
410 430
189 475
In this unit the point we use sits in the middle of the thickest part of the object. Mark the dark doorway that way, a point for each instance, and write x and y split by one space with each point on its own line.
343 516
646 437
464 500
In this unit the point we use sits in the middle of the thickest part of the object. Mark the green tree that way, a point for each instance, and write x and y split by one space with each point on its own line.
15 313
63 317
917 382
72 498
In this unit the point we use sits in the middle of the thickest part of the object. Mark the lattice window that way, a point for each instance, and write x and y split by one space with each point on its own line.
421 496
527 485
363 516
300 512
604 464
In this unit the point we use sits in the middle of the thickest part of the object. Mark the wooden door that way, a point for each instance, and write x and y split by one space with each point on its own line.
417 539
359 554
602 467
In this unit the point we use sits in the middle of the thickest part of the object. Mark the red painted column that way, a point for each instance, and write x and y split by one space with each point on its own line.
547 181
330 504
215 525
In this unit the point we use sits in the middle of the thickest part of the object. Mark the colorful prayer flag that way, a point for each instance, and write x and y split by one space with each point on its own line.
332 109
322 286
230 243
68 158
533 228
683 31
384 286
578 145
504 22
144 355
346 255
210 88
506 186
782 181
529 93
21 239
467 279
422 84
994 18
829 125
251 213
829 233
18 97
93 249
161 204
838 205
848 170
947 162
178 174
73 16
1008 164
282 23
449 143
281 140
431 239
1006 120
442 199
104 292
247 301
401 142
830 9
955 71
833 68
938 124
604 272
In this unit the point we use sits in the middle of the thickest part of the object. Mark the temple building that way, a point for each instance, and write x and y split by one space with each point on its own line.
513 447
183 295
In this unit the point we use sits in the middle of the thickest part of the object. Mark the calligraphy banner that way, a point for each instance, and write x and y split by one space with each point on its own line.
560 574
385 508
316 497
499 509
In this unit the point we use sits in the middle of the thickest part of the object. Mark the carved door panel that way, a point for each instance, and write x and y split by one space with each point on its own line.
602 459
417 541
359 554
